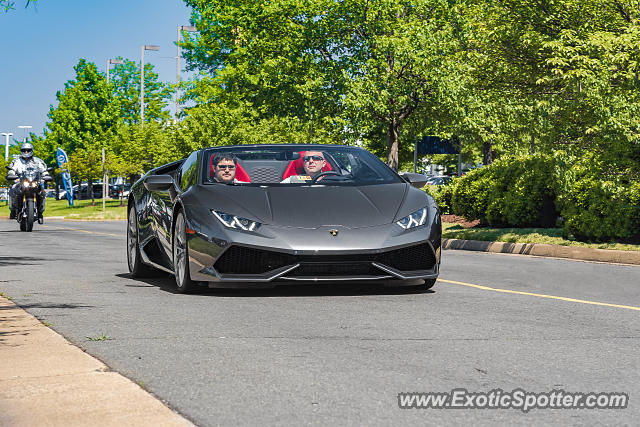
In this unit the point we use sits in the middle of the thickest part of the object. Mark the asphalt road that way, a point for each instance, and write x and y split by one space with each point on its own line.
339 354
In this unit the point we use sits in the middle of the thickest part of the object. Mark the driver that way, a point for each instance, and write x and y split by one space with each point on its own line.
19 165
313 162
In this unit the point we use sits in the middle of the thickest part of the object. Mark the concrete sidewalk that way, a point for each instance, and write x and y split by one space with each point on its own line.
46 381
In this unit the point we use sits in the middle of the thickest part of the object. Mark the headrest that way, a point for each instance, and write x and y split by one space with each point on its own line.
296 167
241 174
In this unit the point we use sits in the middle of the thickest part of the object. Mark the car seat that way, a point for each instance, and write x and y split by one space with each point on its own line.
296 167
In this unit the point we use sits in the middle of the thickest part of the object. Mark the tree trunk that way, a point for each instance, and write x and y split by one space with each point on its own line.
90 188
487 153
533 145
392 145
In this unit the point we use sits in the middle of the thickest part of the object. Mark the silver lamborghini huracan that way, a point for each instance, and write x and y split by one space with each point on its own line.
262 215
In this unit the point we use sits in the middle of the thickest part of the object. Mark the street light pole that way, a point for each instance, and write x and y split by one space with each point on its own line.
25 132
190 29
112 61
6 147
105 184
142 49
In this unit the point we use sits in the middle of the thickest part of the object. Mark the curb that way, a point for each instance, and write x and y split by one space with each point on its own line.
545 250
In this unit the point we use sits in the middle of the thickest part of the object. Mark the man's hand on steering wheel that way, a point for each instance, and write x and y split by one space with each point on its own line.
323 174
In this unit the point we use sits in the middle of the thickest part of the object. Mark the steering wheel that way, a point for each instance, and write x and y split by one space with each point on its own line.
323 174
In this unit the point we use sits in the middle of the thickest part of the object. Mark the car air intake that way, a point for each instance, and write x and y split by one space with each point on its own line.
243 260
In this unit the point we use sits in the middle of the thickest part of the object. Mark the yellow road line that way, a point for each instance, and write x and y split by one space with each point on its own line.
83 231
509 291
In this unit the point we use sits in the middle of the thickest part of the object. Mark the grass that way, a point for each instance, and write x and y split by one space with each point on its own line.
81 210
551 236
2 294
102 337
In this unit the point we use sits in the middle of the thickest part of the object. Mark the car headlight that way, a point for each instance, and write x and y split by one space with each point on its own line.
236 222
416 219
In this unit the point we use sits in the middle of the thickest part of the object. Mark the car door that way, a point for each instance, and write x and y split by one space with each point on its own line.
185 178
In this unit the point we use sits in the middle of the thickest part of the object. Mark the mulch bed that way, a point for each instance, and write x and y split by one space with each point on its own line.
460 220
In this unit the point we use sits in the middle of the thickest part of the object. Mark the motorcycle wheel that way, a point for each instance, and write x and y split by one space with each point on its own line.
30 215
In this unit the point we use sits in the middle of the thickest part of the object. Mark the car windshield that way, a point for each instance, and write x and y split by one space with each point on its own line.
295 165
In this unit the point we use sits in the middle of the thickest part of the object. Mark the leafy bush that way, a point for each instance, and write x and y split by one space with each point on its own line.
517 192
442 195
600 210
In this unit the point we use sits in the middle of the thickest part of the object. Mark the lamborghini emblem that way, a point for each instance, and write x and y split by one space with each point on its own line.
333 232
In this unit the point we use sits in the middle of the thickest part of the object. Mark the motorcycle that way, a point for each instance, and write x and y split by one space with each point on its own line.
30 186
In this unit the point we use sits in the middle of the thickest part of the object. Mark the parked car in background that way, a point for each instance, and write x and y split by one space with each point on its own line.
124 188
439 180
84 192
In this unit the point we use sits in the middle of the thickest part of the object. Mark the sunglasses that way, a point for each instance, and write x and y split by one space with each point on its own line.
26 151
315 158
230 167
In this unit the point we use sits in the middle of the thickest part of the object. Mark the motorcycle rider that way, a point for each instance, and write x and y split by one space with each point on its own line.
18 166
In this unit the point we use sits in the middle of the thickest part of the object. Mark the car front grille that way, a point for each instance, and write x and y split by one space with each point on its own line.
244 260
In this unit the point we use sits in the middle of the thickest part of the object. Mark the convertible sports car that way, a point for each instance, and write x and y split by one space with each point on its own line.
355 220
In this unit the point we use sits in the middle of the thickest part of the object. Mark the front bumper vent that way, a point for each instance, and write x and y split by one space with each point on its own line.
243 260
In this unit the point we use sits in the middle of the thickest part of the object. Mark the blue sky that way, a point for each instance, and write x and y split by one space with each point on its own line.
40 46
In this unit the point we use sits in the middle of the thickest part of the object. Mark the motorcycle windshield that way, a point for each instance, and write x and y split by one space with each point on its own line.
31 174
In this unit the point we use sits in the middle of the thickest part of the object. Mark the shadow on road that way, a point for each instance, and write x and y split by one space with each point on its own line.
27 306
19 260
166 283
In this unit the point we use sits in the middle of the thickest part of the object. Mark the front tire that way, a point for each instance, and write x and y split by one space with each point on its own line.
30 215
136 267
184 283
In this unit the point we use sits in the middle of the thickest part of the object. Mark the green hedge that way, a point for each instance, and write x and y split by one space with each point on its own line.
511 192
599 210
442 195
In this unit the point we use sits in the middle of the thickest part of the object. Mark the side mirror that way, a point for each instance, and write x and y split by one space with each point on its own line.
49 169
415 179
47 178
11 176
158 182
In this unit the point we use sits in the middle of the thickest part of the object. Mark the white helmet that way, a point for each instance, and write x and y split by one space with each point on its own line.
26 150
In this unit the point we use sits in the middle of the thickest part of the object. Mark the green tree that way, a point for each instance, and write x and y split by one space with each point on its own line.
362 65
126 80
85 165
8 5
572 68
86 115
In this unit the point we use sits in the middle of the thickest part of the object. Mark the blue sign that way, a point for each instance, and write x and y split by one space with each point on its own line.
437 145
62 158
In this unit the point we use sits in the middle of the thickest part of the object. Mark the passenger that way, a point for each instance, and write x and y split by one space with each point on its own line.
313 162
225 168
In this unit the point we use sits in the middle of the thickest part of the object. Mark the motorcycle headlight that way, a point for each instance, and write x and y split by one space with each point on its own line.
416 219
34 184
25 184
236 222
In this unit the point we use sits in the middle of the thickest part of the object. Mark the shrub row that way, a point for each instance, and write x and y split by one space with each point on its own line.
536 190
515 192
600 210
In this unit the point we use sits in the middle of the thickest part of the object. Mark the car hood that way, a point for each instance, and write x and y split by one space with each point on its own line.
306 206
